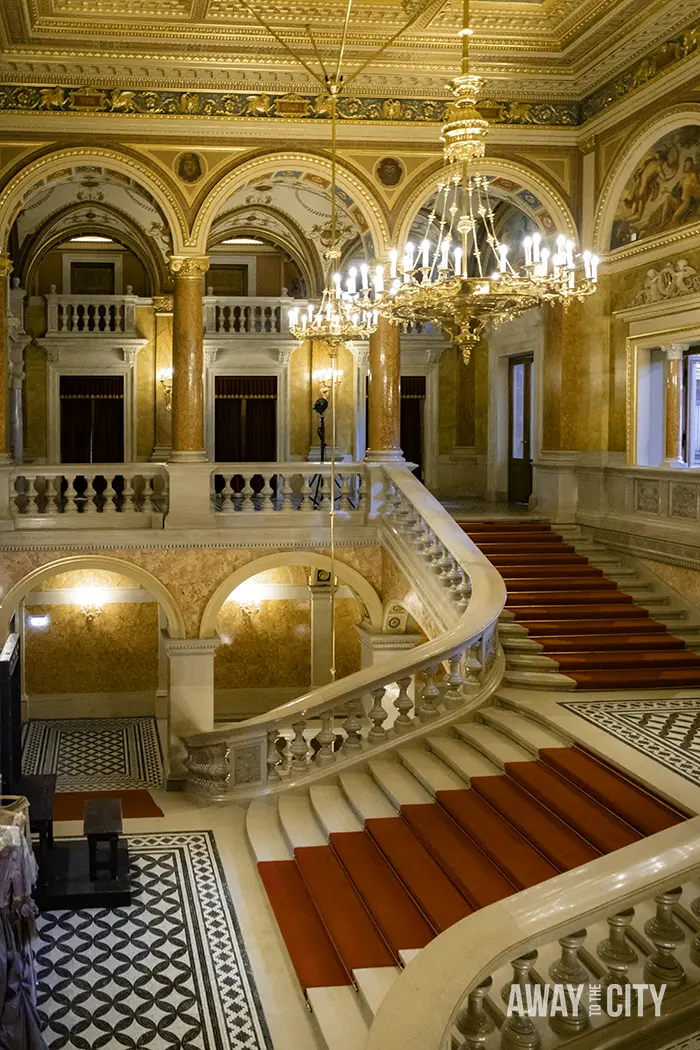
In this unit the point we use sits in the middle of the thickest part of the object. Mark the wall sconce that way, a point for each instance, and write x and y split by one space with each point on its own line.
165 378
38 622
326 377
247 598
90 600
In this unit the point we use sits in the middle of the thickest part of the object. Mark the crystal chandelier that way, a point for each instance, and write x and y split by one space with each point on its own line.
343 314
461 275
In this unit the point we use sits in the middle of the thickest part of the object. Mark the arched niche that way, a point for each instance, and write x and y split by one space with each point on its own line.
647 170
352 193
366 594
48 169
176 622
524 188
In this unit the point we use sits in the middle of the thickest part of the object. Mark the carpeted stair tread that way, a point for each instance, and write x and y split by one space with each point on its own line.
602 828
563 846
477 877
609 611
351 927
524 547
554 598
558 645
525 558
548 573
645 812
395 912
551 584
520 862
438 898
621 658
647 678
541 629
315 960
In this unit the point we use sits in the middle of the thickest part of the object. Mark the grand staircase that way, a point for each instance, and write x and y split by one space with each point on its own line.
599 625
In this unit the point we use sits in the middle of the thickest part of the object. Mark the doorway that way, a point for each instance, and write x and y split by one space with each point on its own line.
92 419
412 412
521 416
245 419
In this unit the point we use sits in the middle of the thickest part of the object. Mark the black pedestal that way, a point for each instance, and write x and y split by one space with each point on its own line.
64 879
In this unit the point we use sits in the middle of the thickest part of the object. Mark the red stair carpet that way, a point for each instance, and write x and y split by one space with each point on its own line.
597 635
70 805
367 895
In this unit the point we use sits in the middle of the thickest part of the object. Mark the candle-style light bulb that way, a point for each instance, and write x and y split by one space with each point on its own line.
445 251
351 283
408 258
393 260
587 264
425 254
458 262
569 246
502 257
594 267
364 276
527 245
536 239
379 280
544 261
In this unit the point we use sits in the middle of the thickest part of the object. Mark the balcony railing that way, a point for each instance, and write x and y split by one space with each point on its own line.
267 488
99 494
91 314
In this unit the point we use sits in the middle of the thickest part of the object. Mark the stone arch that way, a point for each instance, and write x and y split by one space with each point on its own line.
345 573
624 164
529 180
176 621
12 195
237 177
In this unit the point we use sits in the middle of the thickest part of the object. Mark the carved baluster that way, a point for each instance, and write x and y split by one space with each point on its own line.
472 1022
35 496
569 970
285 752
472 668
430 695
54 495
518 1031
109 505
285 487
420 536
662 967
326 739
403 704
71 505
267 495
454 697
247 494
352 726
299 748
434 554
377 715
129 497
306 500
456 575
228 497
274 759
443 568
616 951
465 591
695 946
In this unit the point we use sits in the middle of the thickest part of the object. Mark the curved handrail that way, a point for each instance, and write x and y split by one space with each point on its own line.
420 1008
464 566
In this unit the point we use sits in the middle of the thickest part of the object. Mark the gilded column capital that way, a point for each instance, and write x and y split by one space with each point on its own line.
5 265
675 351
588 144
163 304
189 267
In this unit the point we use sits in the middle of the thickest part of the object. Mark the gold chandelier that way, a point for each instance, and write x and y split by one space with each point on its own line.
461 275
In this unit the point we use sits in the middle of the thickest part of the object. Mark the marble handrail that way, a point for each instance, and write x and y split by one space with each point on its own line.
101 491
298 486
446 982
91 314
265 752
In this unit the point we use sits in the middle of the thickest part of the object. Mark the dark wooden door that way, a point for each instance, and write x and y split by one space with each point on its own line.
520 427
10 715
92 419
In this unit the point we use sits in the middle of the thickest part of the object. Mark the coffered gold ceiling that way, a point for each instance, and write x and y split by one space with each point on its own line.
524 48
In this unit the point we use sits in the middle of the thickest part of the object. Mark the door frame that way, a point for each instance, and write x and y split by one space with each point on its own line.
53 414
280 370
524 335
527 360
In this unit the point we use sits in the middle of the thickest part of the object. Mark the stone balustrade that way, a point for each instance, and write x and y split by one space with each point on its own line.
105 494
272 487
339 723
587 937
91 314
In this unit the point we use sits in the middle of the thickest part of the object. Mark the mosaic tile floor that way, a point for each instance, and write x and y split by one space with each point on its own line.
168 971
666 730
94 754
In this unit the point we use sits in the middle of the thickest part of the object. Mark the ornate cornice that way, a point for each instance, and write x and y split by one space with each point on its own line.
163 304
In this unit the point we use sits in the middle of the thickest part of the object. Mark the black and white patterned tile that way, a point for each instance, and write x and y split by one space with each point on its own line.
94 754
168 972
665 730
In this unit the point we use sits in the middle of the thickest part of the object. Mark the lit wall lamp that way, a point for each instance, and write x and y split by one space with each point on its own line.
38 622
165 378
325 377
90 600
247 598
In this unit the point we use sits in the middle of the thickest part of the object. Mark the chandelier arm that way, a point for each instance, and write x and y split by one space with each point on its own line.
392 40
348 9
290 50
317 52
334 117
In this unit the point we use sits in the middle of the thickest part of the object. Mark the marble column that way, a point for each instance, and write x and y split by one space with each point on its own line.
384 445
163 308
673 377
191 662
5 271
188 359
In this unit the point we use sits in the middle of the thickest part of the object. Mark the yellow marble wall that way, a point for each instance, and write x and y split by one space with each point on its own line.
304 391
685 581
145 383
34 407
117 653
85 578
448 389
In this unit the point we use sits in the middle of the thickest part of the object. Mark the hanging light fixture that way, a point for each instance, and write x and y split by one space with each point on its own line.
461 276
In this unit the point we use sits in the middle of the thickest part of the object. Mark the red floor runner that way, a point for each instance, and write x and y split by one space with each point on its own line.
394 910
352 930
437 896
642 810
70 805
313 956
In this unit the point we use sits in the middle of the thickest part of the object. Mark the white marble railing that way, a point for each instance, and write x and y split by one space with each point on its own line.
341 722
247 315
45 496
273 487
591 928
91 314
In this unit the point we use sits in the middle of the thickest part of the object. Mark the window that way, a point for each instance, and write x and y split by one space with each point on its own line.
228 280
691 374
92 278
